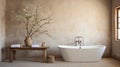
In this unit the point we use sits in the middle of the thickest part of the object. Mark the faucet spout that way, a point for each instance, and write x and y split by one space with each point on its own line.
79 40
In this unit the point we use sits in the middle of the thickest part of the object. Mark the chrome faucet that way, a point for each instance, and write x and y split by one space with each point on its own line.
79 40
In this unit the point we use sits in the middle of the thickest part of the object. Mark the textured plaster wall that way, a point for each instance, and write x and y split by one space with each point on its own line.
2 27
87 18
115 43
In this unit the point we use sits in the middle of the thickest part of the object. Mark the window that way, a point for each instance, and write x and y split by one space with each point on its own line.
118 23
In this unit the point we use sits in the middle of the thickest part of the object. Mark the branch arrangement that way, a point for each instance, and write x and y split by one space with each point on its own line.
32 21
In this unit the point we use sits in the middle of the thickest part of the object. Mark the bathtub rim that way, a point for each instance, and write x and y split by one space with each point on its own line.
72 46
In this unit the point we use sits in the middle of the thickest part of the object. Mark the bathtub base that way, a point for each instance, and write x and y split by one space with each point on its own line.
83 54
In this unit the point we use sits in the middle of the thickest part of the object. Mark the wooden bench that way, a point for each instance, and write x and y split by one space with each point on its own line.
13 52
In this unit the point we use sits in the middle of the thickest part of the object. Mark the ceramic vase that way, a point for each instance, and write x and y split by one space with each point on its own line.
28 41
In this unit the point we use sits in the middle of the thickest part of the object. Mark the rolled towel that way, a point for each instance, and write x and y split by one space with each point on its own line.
15 45
35 45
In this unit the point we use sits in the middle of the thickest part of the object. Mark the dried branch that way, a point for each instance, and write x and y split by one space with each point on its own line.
26 24
33 23
40 27
37 23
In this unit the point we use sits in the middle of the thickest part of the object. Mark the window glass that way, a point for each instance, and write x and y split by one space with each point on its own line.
118 12
118 33
118 20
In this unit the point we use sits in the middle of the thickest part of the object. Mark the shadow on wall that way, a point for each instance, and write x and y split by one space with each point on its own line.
3 52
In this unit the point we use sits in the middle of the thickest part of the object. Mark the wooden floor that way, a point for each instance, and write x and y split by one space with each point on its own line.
105 62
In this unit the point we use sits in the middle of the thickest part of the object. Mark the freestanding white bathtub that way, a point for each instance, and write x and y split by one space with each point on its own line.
92 53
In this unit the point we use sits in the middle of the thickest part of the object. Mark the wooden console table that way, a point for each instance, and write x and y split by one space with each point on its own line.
13 52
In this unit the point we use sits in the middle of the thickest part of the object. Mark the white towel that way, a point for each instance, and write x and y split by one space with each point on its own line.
15 45
35 45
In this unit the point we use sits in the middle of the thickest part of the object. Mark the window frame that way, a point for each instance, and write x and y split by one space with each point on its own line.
117 23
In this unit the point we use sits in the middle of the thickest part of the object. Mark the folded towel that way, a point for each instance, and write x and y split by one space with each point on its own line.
35 45
15 45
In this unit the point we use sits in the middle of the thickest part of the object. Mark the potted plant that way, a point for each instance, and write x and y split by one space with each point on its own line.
33 23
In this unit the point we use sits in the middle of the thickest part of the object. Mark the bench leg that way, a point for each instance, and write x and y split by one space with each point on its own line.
14 55
44 55
11 56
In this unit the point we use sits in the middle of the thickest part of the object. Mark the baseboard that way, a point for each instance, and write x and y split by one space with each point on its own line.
115 57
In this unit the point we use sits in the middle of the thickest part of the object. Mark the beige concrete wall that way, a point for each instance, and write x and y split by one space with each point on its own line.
115 43
2 27
87 18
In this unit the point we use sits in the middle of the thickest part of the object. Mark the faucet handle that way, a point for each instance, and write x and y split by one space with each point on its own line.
79 40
